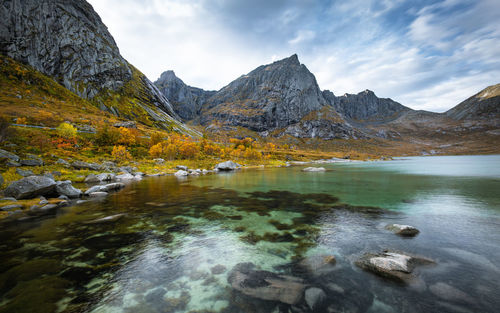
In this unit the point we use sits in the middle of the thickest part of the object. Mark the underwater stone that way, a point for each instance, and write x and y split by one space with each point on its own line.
403 230
107 219
449 293
315 297
218 269
266 285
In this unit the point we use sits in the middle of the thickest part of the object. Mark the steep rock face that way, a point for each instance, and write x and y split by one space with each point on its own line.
66 40
483 106
271 96
186 100
366 107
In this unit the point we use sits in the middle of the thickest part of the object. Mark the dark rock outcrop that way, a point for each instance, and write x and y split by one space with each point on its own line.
186 100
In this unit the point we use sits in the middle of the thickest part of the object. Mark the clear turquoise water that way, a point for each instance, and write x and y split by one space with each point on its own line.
160 256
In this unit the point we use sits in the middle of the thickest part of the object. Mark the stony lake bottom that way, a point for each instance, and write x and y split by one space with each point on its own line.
176 246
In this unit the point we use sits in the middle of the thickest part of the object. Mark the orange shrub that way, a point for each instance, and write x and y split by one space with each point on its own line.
188 150
252 154
156 138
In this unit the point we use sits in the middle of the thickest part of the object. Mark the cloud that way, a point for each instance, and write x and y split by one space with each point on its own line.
427 55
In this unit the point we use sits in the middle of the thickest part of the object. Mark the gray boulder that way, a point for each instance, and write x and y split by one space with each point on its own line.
24 173
181 167
181 173
98 194
63 162
30 187
227 166
105 188
393 265
80 165
92 178
124 177
11 163
32 162
65 188
1 180
403 230
8 155
266 285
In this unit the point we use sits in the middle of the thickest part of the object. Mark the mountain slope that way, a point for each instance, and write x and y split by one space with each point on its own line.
482 106
66 40
186 100
271 96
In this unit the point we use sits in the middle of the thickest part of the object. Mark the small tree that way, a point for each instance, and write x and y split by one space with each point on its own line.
67 131
127 136
107 136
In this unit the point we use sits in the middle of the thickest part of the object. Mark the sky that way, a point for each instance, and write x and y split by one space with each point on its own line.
428 55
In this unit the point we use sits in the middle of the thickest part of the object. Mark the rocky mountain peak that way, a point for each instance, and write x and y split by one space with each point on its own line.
271 96
168 76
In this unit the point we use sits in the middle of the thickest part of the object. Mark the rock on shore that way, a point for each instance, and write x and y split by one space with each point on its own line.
227 166
30 187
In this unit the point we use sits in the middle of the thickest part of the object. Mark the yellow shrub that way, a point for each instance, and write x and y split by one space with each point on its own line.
128 136
66 130
188 150
120 153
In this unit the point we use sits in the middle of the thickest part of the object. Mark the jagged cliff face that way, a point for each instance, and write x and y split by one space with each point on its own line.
186 100
271 96
366 107
66 40
484 105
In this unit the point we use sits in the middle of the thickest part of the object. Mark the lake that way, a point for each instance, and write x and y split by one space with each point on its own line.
180 240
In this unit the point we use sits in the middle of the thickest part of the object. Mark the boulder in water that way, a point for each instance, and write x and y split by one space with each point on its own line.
393 265
403 230
181 173
315 297
449 293
65 188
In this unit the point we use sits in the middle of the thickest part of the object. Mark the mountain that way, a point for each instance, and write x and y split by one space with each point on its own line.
186 100
485 105
269 97
366 107
66 40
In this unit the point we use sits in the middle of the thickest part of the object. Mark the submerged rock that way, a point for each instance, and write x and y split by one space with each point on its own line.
107 219
449 293
315 297
403 230
227 166
314 169
318 264
394 265
64 188
218 269
30 187
105 188
266 285
98 194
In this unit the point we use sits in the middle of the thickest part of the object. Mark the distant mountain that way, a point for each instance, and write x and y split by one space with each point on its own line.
366 107
66 40
485 105
186 100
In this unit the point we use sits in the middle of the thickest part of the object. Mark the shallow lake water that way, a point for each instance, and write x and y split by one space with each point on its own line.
179 240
